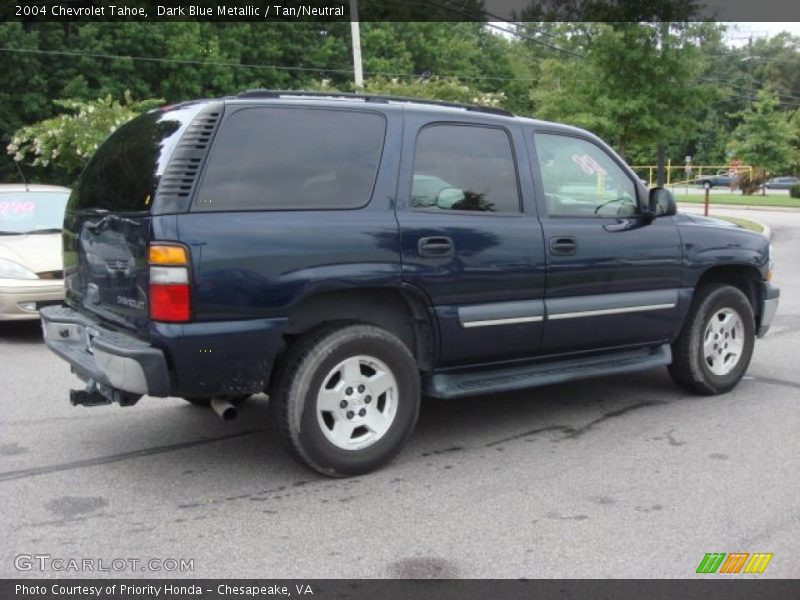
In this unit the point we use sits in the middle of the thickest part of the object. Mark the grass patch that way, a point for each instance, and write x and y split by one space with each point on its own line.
738 199
747 224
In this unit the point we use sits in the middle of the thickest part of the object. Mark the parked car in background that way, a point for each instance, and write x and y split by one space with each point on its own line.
31 271
784 182
721 178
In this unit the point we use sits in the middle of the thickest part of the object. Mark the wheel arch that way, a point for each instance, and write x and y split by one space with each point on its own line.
745 278
403 311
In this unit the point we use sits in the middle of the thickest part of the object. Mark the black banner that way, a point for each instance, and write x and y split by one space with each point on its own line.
267 11
209 589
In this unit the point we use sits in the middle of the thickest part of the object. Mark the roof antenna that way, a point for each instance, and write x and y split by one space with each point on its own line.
19 170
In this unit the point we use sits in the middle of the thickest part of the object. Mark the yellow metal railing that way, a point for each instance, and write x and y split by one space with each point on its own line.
691 174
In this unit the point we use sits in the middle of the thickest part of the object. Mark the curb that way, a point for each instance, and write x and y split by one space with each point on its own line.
743 207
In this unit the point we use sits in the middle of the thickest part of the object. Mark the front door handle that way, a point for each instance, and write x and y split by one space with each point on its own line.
563 245
435 247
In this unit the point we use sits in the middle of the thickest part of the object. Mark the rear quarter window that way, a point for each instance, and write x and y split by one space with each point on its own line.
277 158
124 172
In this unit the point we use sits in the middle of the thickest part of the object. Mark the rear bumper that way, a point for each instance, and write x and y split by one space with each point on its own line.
15 293
184 360
769 306
98 353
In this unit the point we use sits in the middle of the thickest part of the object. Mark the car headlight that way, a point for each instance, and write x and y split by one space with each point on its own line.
11 270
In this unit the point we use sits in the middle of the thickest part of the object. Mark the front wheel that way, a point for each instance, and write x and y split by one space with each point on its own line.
347 398
714 348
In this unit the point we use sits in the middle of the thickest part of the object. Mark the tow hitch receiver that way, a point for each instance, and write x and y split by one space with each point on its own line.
97 394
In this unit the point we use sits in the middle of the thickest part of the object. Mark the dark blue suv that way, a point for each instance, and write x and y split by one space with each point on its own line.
346 254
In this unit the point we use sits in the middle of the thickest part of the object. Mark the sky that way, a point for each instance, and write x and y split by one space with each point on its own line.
737 34
759 30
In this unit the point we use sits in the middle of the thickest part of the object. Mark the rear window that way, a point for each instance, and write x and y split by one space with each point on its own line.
29 212
292 158
124 172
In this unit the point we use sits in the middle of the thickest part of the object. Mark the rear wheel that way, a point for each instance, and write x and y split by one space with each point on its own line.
714 349
347 398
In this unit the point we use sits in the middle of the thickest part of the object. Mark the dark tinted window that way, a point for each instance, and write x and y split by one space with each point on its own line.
123 174
458 167
292 158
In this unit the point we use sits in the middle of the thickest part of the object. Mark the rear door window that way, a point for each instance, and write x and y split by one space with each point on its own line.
276 158
465 167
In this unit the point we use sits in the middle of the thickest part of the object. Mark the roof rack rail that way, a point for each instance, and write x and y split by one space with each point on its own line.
371 98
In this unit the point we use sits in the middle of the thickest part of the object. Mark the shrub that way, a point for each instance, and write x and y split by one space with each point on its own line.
66 142
752 182
794 191
434 88
446 89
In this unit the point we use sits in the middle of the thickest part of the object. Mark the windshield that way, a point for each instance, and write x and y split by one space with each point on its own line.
32 212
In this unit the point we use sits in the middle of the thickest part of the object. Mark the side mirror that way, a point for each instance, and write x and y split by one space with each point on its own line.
661 203
447 197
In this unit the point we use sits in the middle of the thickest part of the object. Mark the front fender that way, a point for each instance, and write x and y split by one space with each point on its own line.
710 243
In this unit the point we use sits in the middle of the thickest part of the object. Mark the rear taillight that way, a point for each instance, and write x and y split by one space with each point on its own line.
170 287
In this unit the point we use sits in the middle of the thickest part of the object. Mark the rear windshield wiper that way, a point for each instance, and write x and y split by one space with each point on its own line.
107 220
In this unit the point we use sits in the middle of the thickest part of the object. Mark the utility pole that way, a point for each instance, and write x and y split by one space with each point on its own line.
750 72
662 148
355 34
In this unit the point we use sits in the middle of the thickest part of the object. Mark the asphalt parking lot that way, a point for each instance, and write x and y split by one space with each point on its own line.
619 477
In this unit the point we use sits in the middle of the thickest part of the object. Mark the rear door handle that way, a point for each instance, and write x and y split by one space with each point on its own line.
437 246
563 245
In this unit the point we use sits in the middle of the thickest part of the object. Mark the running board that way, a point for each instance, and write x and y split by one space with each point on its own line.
448 385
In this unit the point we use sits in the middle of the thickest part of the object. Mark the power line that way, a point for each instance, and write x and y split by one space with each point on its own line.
249 65
168 60
724 82
522 24
727 83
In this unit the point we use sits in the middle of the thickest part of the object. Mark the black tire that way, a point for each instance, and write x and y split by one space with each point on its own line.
304 371
206 402
689 367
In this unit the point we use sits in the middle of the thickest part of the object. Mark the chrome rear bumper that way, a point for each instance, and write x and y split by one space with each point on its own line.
99 354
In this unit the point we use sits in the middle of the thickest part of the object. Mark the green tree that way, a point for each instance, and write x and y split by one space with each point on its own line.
634 85
65 143
763 139
24 91
776 64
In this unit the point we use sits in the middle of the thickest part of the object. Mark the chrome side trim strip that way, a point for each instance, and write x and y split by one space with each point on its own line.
501 313
609 311
468 324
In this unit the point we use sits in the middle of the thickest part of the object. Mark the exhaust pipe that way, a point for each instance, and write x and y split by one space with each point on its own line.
224 409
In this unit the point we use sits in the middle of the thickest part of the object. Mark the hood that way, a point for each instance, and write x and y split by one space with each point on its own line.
711 222
37 252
